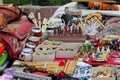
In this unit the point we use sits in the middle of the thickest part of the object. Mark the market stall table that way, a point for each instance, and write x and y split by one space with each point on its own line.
110 60
63 60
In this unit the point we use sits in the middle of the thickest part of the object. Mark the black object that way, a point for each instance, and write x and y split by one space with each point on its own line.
67 18
114 45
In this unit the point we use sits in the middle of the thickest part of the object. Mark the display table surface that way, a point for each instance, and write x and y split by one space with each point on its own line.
93 63
59 59
109 61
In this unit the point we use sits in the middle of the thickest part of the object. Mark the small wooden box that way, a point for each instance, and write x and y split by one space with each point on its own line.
110 76
41 55
53 42
67 50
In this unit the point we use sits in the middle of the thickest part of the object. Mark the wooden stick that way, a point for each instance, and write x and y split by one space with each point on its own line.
33 19
26 63
35 22
39 20
66 66
39 67
44 27
32 63
102 26
30 16
33 16
45 21
49 21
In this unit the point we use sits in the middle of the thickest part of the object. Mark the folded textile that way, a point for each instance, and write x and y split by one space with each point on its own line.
19 29
3 58
4 65
2 47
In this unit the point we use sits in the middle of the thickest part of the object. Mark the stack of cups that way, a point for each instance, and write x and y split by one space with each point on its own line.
35 39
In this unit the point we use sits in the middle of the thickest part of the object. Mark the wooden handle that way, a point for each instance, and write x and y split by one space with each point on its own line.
39 20
66 66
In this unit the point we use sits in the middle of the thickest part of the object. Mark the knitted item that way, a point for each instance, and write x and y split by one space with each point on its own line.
103 6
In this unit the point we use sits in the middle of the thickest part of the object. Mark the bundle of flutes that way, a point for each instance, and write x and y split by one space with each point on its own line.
36 21
52 66
46 22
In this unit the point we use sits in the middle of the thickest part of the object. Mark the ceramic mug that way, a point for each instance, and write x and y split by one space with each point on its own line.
30 45
35 39
26 54
36 31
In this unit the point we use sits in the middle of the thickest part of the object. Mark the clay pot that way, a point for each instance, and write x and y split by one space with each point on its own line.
36 32
26 54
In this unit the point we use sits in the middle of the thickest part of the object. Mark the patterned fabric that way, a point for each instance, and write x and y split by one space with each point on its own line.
15 35
18 29
67 38
10 12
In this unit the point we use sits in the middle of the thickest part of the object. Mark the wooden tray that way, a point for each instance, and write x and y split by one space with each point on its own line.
67 38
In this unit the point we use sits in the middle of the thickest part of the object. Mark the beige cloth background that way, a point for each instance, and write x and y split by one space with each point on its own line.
46 11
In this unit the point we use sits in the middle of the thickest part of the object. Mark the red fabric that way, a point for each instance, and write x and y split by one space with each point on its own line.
41 73
1 51
61 75
25 29
10 7
2 47
115 54
21 31
9 42
62 60
10 12
109 61
58 59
